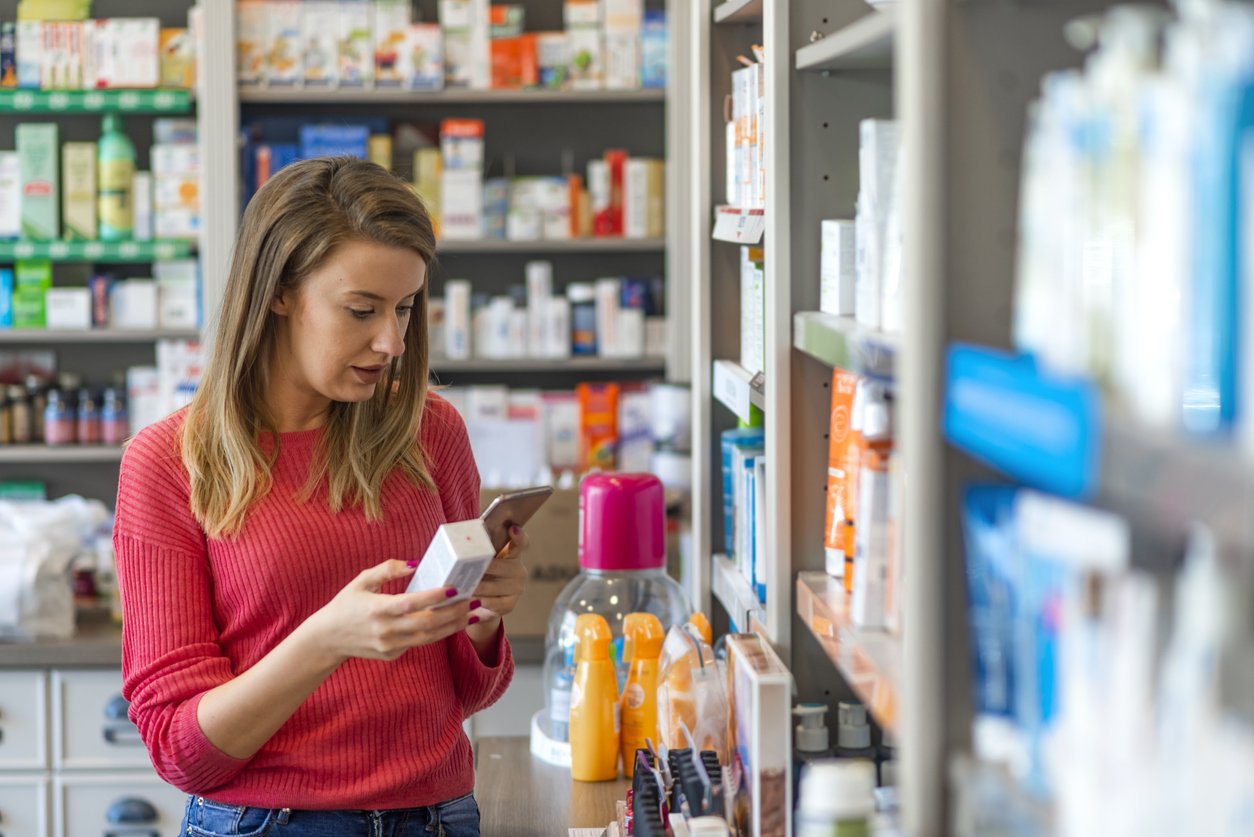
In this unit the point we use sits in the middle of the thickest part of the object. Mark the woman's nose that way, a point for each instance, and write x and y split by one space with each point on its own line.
390 339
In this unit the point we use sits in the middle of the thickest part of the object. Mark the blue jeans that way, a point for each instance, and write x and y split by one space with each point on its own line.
455 818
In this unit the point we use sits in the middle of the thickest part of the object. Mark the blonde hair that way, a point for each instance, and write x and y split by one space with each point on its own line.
290 228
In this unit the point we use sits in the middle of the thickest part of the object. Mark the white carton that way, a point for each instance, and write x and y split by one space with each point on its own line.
837 267
320 43
68 308
133 304
283 52
461 194
10 195
457 557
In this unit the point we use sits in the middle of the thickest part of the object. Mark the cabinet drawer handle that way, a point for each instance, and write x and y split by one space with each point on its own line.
131 811
115 709
123 737
127 833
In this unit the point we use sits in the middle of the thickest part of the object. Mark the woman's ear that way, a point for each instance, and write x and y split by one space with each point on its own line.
279 305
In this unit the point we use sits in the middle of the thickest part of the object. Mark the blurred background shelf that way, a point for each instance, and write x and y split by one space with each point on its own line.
866 44
574 365
95 101
738 390
378 96
59 454
102 335
869 661
840 342
102 252
738 11
573 245
735 594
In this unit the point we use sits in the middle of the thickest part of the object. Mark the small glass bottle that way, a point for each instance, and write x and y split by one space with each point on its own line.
114 422
19 415
38 403
583 319
88 418
58 420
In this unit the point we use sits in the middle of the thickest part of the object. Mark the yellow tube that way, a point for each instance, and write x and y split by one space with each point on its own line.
594 720
639 702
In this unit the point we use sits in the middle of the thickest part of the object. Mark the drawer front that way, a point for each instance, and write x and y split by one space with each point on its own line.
120 804
90 727
24 810
23 720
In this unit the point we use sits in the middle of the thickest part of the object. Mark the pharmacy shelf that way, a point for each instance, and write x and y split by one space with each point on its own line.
95 101
738 390
866 44
59 454
841 342
738 11
739 226
573 365
100 252
869 661
100 335
571 245
735 594
383 96
1055 434
990 801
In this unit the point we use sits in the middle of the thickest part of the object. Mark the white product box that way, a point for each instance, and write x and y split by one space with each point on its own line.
553 58
252 34
837 267
586 13
466 51
557 330
656 337
68 308
143 397
10 195
320 27
561 415
283 44
176 223
426 57
635 439
487 403
141 204
622 60
644 198
457 319
759 691
587 57
525 218
608 306
133 304
752 310
555 208
356 47
539 276
630 333
30 49
177 305
126 52
391 42
461 211
456 14
180 365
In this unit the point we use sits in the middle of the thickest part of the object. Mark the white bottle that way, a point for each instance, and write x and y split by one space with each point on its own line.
837 798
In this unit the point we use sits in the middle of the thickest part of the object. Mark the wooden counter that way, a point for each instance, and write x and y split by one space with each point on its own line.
521 796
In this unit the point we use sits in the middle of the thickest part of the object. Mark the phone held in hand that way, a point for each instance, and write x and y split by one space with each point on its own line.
513 508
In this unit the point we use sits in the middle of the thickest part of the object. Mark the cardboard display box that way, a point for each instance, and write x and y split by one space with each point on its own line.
552 561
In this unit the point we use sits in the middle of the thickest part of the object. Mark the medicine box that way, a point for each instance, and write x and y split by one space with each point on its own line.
461 211
33 273
837 267
177 58
133 304
391 42
6 297
320 24
78 184
10 195
356 47
68 308
426 57
283 44
29 307
457 557
37 152
586 57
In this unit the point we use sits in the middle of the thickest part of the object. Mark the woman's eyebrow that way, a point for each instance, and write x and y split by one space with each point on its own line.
374 296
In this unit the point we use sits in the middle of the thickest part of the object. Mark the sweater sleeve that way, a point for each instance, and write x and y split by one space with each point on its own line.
478 683
170 651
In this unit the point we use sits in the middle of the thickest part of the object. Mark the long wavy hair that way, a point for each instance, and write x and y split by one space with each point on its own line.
290 228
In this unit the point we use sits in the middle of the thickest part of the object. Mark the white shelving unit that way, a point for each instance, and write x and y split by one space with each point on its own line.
555 246
866 44
377 96
59 455
573 365
39 336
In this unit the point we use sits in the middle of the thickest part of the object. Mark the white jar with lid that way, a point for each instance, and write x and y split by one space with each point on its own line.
837 798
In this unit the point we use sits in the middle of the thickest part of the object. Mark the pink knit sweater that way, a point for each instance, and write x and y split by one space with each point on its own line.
198 610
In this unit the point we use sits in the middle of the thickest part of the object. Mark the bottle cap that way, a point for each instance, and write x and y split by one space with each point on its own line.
642 637
837 789
622 522
811 733
853 731
594 638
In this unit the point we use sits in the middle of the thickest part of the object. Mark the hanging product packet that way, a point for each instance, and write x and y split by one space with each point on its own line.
690 693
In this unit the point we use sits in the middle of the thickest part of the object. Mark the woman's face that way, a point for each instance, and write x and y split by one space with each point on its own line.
339 331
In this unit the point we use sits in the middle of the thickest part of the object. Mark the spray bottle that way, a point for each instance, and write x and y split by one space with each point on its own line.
643 645
594 719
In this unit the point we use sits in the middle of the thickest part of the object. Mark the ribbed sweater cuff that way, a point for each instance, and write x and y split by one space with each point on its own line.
205 766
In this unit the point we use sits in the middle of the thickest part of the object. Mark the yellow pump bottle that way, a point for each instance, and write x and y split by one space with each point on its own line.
643 634
594 720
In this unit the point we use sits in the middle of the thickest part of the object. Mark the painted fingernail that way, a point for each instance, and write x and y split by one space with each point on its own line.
515 530
450 592
412 563
473 620
475 604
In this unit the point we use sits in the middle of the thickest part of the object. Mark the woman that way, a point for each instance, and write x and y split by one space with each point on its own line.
265 534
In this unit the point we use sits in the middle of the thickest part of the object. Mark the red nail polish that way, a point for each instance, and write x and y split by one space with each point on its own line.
412 563
515 531
450 592
475 604
473 620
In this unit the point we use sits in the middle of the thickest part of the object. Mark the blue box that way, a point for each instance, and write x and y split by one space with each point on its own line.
653 49
333 141
6 297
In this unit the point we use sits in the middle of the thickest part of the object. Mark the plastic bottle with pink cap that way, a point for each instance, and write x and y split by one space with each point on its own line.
622 560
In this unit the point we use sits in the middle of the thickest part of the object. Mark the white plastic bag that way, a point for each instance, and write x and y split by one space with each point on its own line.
38 543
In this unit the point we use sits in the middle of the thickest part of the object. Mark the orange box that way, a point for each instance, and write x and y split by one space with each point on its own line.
515 63
598 425
838 501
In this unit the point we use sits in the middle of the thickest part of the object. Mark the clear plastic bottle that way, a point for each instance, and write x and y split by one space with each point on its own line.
622 559
59 423
114 423
88 418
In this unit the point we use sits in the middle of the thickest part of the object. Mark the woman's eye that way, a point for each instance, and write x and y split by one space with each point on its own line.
405 310
361 313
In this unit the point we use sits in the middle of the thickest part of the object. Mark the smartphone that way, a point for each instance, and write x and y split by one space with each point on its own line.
512 509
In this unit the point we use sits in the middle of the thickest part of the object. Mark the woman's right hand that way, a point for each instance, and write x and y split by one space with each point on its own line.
363 622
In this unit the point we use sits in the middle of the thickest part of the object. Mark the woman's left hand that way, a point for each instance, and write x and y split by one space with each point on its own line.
504 581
